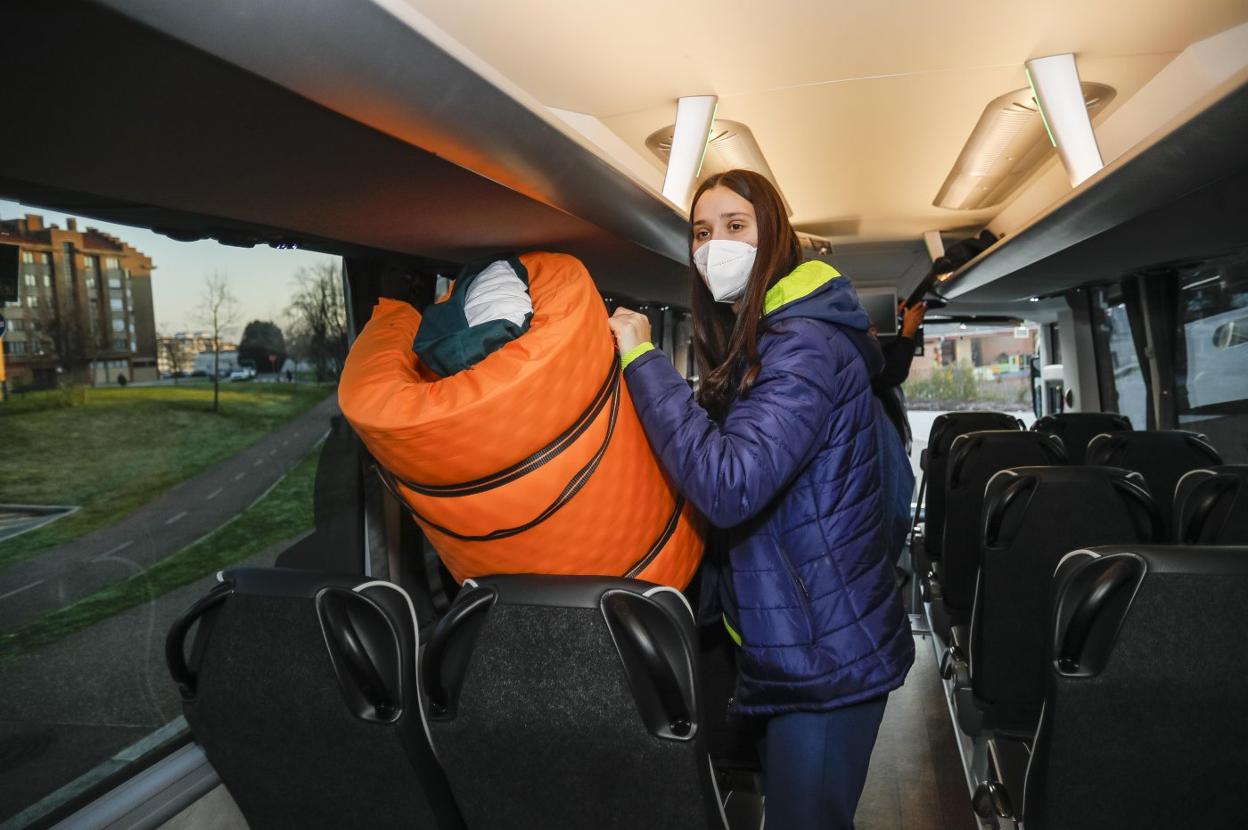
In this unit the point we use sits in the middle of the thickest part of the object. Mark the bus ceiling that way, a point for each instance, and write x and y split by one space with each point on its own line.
218 151
1181 196
246 135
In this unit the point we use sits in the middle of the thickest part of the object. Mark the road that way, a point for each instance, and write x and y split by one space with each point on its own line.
80 708
183 515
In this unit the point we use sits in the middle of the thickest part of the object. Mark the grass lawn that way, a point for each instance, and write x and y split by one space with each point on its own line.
285 512
117 449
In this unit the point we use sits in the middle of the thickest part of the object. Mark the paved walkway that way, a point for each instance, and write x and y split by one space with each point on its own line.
160 528
16 519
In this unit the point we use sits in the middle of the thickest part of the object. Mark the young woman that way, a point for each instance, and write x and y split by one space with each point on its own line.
780 449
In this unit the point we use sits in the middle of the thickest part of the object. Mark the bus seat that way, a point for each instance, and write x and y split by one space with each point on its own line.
974 459
570 702
1076 429
301 687
1211 506
1143 722
1162 457
1034 516
945 429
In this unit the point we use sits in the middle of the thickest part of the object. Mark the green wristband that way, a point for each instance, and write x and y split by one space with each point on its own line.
634 353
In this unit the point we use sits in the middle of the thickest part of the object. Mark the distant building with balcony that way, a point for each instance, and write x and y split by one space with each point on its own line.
84 307
180 352
1006 349
226 362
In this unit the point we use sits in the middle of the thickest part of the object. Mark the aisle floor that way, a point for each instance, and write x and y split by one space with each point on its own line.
916 780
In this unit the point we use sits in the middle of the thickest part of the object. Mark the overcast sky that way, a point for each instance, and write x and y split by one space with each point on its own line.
261 277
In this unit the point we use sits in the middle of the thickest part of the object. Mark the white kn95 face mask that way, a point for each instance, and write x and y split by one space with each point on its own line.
725 266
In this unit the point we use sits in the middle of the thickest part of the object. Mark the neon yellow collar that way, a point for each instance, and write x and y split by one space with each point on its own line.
806 278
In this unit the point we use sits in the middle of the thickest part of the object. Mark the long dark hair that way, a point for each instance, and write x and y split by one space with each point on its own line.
725 343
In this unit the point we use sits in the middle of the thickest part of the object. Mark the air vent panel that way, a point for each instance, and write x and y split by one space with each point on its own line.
1007 144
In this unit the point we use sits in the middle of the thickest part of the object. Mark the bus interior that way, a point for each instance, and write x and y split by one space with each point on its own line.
1079 405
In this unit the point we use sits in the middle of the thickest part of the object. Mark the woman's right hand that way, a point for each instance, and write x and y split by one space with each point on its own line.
630 328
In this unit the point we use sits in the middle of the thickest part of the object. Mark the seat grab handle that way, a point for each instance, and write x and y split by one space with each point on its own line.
175 654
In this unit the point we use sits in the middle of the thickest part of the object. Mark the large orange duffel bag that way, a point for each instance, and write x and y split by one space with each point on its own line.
531 461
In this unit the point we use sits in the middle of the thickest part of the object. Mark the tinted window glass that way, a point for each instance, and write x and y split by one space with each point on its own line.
969 367
1122 379
123 490
1211 382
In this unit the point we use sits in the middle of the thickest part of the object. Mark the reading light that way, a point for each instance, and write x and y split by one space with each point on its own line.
694 115
1055 82
1009 141
730 146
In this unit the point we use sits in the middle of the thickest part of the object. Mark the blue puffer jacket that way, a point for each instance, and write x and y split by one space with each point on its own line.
792 471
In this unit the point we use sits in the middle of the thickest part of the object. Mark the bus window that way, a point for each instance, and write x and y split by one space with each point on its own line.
1123 386
144 449
681 328
1211 382
967 366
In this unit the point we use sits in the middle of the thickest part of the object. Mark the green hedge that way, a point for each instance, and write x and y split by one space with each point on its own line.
958 384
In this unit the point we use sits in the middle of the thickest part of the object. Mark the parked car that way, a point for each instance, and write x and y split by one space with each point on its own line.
243 373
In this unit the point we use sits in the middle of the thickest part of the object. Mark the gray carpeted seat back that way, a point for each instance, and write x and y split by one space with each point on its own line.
570 702
301 687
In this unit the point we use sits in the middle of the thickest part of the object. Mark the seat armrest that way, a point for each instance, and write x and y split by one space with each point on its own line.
932 592
970 718
954 666
992 801
961 637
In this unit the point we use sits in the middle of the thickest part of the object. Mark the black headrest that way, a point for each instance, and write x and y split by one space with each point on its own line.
285 582
368 627
1100 421
991 444
1107 448
1009 488
1094 590
947 427
573 591
650 625
1211 506
1071 475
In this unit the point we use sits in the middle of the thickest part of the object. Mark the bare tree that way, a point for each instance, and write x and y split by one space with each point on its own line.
218 312
69 338
317 318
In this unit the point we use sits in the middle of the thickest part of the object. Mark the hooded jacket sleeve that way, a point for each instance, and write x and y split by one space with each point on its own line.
898 355
732 472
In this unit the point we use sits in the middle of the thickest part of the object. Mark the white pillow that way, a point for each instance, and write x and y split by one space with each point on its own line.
497 293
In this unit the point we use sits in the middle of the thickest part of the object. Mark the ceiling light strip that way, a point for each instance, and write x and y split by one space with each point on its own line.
1055 82
694 116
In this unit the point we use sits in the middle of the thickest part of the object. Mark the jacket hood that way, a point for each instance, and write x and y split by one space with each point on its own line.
817 291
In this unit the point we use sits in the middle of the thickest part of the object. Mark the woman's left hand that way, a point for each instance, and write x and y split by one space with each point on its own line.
630 328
